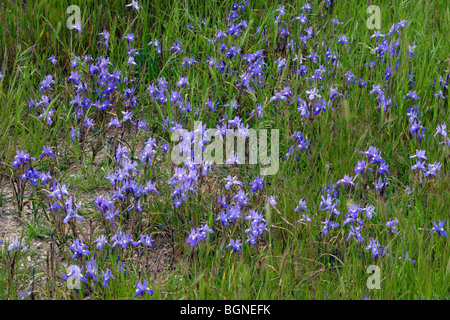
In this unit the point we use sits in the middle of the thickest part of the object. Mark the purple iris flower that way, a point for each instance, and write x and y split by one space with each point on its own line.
439 229
235 245
142 288
106 276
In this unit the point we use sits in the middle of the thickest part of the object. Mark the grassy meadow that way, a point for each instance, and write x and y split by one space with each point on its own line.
92 205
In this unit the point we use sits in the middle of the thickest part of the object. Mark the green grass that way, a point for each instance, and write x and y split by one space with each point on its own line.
294 261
